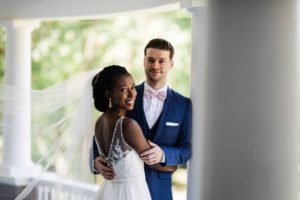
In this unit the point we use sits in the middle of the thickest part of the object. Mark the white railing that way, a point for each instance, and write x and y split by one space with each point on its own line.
53 188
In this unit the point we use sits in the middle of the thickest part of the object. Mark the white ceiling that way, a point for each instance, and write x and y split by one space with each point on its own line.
54 9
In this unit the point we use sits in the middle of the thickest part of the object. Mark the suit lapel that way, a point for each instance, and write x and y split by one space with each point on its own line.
141 118
139 100
167 107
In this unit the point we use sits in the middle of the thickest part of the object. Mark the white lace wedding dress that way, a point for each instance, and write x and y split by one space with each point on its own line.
129 182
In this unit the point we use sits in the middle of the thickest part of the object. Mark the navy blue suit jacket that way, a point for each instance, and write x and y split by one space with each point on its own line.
173 135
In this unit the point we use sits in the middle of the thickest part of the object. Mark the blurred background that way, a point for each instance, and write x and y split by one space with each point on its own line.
65 48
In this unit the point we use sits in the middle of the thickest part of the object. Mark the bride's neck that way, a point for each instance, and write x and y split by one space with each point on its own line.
117 113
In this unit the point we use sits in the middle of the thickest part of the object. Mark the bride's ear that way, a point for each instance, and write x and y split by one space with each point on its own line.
107 94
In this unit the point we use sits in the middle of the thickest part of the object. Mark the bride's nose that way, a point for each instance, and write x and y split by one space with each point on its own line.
131 93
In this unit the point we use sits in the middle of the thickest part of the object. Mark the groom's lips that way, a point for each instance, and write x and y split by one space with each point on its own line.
155 72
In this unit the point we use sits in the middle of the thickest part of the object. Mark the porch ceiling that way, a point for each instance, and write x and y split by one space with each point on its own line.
54 9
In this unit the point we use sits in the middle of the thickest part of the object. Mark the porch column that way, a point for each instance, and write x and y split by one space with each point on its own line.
252 101
198 83
17 109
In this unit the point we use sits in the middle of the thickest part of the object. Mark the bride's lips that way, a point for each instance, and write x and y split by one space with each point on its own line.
130 102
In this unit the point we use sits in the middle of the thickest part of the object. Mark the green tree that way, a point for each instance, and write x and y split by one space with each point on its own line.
61 49
2 50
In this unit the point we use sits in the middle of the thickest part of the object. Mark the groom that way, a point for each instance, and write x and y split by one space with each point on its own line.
165 119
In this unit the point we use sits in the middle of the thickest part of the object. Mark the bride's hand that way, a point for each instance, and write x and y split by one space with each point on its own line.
103 169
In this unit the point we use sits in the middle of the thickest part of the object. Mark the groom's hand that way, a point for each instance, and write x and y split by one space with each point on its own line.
153 155
103 169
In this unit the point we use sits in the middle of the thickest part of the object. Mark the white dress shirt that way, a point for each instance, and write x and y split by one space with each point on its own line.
153 106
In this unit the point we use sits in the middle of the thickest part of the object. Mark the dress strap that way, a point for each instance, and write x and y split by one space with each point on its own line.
120 120
118 147
98 147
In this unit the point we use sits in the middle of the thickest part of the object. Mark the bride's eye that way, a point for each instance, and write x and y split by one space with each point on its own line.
123 89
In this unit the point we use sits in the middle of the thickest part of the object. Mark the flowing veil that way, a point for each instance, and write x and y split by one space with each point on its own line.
62 126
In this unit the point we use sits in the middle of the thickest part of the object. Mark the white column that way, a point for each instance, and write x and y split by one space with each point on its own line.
198 83
252 113
17 111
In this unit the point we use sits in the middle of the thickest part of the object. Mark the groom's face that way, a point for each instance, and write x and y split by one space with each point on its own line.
157 64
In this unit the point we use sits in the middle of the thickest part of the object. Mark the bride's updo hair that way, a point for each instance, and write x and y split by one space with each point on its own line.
103 81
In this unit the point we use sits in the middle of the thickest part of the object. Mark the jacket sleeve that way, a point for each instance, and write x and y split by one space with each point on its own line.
180 153
93 153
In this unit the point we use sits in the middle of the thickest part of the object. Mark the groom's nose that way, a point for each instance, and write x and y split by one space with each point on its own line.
155 64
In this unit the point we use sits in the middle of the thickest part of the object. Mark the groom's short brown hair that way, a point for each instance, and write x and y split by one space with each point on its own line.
162 44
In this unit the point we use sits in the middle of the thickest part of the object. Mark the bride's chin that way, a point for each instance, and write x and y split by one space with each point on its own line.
130 107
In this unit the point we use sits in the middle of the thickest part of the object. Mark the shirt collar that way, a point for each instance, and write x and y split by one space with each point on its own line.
163 89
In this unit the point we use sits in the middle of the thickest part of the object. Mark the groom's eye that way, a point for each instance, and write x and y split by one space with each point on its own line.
150 60
162 61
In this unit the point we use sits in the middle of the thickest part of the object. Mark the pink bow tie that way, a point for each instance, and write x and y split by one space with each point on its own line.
149 94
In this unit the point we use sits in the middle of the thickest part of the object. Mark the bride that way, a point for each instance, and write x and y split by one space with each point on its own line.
120 139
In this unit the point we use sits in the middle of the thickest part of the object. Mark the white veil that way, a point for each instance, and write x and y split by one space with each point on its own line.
62 126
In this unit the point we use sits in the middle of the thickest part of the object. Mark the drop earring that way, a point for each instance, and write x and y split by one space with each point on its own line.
109 103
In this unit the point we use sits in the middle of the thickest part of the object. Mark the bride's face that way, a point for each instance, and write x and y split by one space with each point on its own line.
123 94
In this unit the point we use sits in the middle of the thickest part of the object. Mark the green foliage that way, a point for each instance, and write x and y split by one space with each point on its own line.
2 50
179 179
61 49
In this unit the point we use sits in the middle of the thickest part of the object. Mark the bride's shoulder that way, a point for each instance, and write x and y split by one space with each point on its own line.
133 134
130 125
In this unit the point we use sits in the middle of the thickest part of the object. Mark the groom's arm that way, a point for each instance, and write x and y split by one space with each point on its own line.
177 154
180 153
93 154
153 158
98 164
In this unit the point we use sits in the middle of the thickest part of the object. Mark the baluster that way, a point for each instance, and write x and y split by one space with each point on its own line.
46 193
40 193
53 195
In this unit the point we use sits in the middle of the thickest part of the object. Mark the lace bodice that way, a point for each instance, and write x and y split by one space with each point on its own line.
122 157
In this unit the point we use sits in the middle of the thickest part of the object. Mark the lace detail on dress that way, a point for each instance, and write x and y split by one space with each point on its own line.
129 182
117 153
118 147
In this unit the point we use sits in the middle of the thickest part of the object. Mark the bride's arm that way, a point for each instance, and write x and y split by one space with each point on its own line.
158 167
134 136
